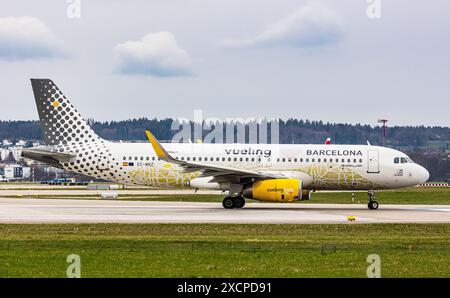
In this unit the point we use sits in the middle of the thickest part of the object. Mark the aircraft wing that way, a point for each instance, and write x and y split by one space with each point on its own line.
219 173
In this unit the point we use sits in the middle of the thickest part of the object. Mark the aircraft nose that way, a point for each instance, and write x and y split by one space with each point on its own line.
424 175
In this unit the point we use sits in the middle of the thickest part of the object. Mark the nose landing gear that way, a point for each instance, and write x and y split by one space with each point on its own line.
373 205
233 202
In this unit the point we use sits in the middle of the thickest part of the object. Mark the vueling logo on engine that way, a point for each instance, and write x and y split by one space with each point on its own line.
281 189
249 151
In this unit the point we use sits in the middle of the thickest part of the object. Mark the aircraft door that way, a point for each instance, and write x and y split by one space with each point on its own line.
373 165
264 161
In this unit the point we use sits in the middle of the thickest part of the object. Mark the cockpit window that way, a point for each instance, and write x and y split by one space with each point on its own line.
404 159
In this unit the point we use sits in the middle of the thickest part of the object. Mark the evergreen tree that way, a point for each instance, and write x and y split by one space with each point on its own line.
10 158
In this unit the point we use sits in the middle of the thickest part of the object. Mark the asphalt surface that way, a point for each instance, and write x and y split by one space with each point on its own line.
23 210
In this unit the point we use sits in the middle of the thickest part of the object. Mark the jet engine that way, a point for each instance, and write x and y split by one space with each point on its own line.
274 190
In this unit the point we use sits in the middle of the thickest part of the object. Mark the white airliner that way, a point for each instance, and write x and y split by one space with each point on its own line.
265 172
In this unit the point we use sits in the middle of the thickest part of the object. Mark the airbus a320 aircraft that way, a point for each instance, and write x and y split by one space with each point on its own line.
265 172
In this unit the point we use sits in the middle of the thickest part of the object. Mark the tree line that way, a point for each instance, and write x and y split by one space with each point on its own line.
292 131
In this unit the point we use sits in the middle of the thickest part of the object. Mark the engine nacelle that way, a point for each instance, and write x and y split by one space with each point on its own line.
274 190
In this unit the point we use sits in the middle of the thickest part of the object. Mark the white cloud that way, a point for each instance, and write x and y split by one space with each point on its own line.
309 26
27 38
155 54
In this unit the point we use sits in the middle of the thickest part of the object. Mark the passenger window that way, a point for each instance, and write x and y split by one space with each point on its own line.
318 160
235 159
396 160
253 159
313 160
130 158
142 158
188 158
193 158
324 160
246 159
147 158
295 159
307 160
283 159
124 158
301 159
199 159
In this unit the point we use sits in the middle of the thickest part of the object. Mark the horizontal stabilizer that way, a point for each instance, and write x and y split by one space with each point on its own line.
47 155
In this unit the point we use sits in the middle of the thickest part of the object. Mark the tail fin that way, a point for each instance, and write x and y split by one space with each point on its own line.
60 121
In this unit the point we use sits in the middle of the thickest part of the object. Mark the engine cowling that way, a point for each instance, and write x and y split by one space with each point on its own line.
274 190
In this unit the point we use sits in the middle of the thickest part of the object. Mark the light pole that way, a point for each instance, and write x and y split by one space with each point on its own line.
384 121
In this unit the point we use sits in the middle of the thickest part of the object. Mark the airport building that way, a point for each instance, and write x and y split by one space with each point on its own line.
14 172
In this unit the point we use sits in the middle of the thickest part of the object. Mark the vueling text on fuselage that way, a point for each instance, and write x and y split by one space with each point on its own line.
249 151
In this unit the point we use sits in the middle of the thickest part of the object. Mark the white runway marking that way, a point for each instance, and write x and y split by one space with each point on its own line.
443 210
98 211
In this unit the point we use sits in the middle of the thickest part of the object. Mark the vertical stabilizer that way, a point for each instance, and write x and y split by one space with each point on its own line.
60 121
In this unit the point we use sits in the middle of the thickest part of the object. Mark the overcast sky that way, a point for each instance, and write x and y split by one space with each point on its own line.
255 58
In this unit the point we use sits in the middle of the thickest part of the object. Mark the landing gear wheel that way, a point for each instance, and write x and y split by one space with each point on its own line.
228 203
373 205
238 202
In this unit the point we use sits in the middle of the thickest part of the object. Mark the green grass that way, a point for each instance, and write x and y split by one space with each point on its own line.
215 250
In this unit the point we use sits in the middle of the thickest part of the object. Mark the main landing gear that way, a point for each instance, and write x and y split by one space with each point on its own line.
373 205
233 202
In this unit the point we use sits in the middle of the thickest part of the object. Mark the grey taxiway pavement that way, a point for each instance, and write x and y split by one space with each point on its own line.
115 211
